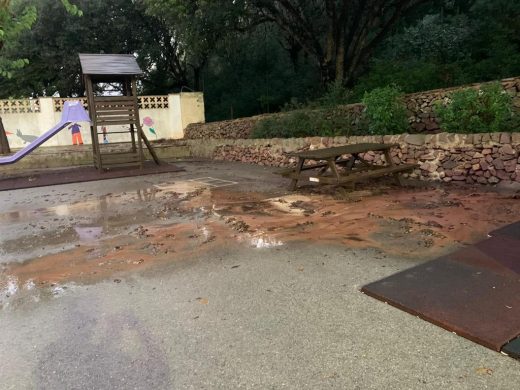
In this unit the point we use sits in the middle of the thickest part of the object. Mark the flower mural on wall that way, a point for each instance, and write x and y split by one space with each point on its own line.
148 122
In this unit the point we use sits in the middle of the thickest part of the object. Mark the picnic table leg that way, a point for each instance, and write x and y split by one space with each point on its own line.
397 177
294 182
323 170
351 162
349 167
332 165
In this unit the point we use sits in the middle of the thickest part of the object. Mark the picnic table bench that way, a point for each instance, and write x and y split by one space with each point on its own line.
354 167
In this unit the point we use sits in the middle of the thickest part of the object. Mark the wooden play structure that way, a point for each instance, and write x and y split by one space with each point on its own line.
120 108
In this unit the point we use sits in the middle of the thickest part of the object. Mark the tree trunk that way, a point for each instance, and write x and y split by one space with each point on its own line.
340 59
327 73
196 77
4 142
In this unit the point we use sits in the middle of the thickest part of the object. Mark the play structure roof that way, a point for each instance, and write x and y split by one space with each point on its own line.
109 64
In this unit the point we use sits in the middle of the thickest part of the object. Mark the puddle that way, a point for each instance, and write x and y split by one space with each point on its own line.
96 238
26 234
263 241
12 293
180 189
291 203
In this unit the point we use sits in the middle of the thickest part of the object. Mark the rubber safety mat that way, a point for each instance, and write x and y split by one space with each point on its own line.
513 348
51 177
512 231
474 292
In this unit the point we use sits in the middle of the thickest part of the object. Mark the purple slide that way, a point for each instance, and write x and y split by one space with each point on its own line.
73 111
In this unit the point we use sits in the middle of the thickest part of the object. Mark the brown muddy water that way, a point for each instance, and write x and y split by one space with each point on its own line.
46 250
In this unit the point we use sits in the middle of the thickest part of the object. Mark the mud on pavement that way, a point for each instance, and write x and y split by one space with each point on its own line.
105 237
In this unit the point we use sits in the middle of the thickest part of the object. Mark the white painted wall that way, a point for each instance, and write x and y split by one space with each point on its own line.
168 123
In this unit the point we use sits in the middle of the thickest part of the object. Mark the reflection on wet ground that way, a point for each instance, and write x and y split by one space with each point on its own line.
45 251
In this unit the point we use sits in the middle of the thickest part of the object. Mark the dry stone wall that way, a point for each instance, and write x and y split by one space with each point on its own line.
421 105
420 108
487 158
236 129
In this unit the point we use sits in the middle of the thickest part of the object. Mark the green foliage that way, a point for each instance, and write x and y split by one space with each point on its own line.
411 76
488 109
72 8
245 61
451 43
12 24
335 95
16 18
52 48
434 37
305 123
251 74
385 111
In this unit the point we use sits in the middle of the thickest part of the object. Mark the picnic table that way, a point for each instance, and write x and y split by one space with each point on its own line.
343 164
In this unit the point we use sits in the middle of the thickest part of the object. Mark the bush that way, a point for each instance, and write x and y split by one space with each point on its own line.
385 111
484 110
335 95
305 123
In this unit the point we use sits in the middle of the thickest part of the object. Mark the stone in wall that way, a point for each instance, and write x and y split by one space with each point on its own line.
420 108
465 158
233 129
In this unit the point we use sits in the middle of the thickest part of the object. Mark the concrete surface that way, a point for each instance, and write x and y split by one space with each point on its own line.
282 316
75 155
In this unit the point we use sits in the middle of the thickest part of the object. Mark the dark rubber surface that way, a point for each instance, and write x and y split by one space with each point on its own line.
474 292
513 348
80 174
511 231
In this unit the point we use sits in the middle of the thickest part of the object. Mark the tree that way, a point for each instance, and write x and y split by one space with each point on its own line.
341 35
116 26
252 73
52 48
10 27
453 42
12 24
196 28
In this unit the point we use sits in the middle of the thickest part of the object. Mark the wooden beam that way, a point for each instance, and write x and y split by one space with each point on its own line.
116 122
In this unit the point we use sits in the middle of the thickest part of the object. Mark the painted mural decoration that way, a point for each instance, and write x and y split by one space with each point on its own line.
148 122
26 138
75 130
105 134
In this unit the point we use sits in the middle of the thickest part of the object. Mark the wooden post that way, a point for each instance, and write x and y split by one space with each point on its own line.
127 90
397 176
4 142
93 125
138 124
297 171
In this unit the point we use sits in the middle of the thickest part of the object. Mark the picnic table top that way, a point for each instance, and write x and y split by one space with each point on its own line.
325 153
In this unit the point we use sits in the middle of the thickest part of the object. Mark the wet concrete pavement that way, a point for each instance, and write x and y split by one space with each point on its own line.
166 282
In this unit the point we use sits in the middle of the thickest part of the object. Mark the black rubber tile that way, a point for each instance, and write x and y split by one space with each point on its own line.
470 300
503 250
513 348
511 231
473 256
51 177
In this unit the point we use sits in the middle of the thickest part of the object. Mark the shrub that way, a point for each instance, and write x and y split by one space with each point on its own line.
488 109
335 95
305 123
385 111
